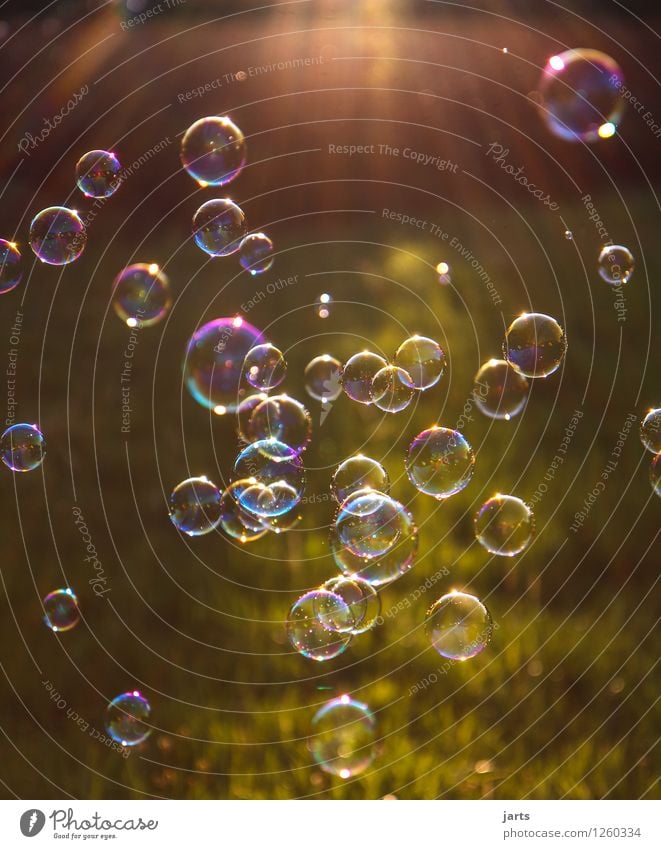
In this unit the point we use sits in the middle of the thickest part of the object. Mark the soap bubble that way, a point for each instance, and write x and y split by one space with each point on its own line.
219 225
61 610
234 520
458 625
535 344
10 266
370 523
264 366
214 361
195 507
127 719
97 174
322 378
267 500
362 600
376 571
569 235
256 253
244 413
322 305
213 151
440 462
141 295
283 418
504 525
392 389
655 474
358 374
343 737
358 472
650 431
268 461
615 264
306 631
580 95
422 359
22 447
57 235
500 392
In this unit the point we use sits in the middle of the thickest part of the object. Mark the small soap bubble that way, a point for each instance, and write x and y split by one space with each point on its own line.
499 391
322 305
569 235
358 374
359 472
535 345
264 366
127 718
655 474
57 235
268 461
22 447
256 253
322 378
580 95
362 600
440 462
650 431
615 264
392 389
422 359
305 628
213 151
458 626
10 266
213 363
234 520
141 295
195 506
244 414
97 174
343 740
219 225
504 525
283 418
61 610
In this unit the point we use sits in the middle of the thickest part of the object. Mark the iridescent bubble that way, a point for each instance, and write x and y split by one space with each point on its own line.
195 506
358 374
213 151
650 431
358 472
580 95
655 474
265 366
283 418
141 295
370 523
500 392
440 462
323 305
458 625
392 389
343 737
306 631
378 570
268 461
244 414
234 520
504 525
22 447
269 500
10 266
422 359
57 235
322 378
362 600
256 253
535 344
97 174
214 362
219 225
615 264
127 718
61 610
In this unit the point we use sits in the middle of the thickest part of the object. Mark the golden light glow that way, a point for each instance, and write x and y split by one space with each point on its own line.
606 131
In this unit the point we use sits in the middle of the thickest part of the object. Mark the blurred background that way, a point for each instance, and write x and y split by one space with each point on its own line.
563 701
